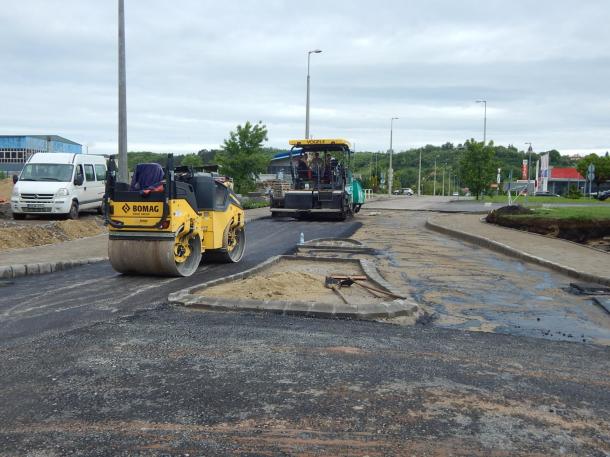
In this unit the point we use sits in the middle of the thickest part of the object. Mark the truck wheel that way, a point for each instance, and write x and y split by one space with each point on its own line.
19 216
73 214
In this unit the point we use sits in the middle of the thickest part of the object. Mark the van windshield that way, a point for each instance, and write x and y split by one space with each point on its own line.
47 172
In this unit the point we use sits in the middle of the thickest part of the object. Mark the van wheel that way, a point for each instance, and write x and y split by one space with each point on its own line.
19 216
73 214
100 210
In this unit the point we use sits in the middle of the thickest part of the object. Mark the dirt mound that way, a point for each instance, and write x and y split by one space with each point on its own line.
13 235
576 230
509 210
6 189
288 285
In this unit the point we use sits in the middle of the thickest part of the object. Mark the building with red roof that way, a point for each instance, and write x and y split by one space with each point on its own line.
571 174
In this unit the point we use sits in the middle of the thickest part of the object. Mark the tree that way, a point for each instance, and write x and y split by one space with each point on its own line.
243 157
602 168
191 160
477 166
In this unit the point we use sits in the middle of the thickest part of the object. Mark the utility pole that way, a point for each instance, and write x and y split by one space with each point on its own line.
390 170
419 176
123 172
434 186
443 191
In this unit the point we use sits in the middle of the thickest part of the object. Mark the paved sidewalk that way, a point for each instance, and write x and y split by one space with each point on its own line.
575 260
59 256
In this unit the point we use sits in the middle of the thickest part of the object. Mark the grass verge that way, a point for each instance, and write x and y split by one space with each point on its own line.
582 213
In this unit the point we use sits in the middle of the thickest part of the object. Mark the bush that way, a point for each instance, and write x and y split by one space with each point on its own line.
574 192
251 204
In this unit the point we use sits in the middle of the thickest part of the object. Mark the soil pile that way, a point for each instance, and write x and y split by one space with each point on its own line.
13 235
6 189
572 229
280 286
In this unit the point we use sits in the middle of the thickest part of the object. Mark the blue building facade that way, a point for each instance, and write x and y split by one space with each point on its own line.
15 150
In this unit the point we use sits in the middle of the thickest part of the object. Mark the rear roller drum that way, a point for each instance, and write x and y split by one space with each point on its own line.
233 247
158 258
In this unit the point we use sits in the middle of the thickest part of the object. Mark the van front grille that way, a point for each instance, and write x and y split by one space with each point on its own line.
37 197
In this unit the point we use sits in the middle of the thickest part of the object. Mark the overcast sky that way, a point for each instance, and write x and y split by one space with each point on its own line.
196 69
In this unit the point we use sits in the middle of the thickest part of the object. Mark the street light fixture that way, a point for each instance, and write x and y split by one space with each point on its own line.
484 120
390 170
309 53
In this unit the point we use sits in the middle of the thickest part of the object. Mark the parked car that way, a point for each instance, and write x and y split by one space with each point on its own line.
455 194
59 184
545 194
603 195
407 191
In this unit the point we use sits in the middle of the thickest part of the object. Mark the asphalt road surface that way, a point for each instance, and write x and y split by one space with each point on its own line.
69 299
173 381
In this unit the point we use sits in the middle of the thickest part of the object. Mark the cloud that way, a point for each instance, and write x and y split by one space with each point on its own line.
196 69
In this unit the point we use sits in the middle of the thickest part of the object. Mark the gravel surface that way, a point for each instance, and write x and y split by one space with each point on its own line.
177 382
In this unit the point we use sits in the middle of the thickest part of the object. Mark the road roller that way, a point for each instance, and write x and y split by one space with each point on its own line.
168 219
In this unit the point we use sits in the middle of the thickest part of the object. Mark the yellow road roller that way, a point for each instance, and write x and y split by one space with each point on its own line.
167 220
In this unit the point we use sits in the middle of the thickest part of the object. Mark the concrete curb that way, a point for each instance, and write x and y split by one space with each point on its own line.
356 247
394 308
513 252
423 210
18 270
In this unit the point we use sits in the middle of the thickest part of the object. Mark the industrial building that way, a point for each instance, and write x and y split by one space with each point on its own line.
15 150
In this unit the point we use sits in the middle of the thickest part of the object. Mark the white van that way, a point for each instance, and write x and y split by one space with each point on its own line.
59 183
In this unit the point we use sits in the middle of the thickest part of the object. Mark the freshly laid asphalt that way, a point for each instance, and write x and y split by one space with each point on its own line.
79 296
171 381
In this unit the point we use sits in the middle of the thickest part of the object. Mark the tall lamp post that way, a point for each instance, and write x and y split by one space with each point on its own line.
123 172
419 176
484 120
309 53
390 170
434 188
529 164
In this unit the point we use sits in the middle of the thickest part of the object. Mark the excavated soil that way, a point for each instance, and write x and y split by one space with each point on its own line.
14 235
6 188
580 231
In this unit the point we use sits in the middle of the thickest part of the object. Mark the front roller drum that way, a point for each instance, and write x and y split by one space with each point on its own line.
154 257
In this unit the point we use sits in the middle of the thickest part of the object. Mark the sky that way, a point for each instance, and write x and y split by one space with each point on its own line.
198 68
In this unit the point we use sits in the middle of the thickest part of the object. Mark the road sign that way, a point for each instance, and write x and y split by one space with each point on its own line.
591 172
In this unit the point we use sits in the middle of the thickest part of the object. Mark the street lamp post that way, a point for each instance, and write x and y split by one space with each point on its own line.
434 186
419 176
529 164
309 53
484 120
123 172
390 170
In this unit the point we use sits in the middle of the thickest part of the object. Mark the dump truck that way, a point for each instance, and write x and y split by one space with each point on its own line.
321 181
168 219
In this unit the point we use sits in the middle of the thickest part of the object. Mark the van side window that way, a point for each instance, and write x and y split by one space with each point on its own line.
79 171
89 173
100 172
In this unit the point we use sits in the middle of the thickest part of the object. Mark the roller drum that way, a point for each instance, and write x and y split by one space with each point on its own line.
152 257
